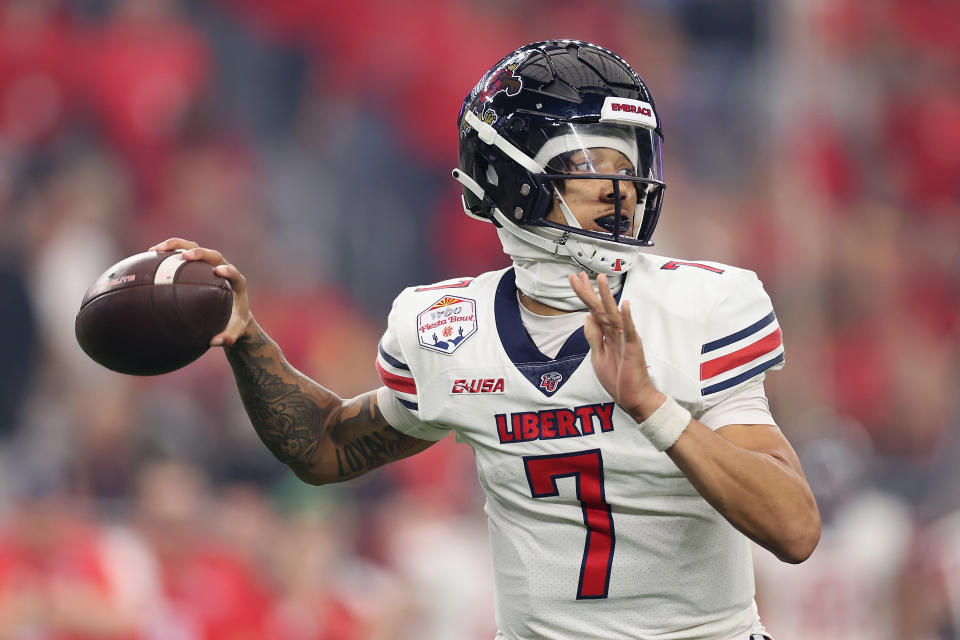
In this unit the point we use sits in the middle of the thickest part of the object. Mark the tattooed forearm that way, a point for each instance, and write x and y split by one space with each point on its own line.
308 428
360 449
288 411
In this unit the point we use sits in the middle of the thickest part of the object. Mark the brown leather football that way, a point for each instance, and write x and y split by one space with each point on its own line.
153 313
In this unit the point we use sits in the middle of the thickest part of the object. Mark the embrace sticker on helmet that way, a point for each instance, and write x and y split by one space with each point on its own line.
549 92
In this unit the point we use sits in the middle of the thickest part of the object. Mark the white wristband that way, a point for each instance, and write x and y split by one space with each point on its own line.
664 426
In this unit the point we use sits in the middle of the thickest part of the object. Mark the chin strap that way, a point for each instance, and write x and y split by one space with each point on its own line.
550 245
555 247
597 256
542 263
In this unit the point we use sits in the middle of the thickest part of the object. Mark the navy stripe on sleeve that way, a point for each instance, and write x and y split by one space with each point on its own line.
746 375
393 362
739 335
408 404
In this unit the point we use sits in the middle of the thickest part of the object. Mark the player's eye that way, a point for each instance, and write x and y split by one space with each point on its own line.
627 171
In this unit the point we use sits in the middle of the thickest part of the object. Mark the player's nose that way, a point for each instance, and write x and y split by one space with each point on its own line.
612 190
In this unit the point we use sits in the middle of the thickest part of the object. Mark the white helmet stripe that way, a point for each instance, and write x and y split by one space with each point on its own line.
577 142
489 135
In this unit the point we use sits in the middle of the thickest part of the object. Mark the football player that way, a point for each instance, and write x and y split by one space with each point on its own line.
613 399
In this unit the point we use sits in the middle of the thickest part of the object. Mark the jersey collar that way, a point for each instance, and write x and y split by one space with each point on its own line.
542 371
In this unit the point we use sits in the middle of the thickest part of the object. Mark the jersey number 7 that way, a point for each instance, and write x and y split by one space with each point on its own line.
586 467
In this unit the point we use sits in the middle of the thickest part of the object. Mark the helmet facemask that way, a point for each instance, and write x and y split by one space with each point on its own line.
624 159
522 126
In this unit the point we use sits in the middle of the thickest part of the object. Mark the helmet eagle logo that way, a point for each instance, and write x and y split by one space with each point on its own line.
503 81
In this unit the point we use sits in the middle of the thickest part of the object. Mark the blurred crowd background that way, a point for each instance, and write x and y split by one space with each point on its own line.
814 141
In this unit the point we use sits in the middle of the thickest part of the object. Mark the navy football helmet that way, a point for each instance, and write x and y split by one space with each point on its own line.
532 119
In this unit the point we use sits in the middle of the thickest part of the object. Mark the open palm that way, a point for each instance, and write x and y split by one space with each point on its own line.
616 350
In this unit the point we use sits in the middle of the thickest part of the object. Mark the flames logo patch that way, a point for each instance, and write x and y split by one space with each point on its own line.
549 381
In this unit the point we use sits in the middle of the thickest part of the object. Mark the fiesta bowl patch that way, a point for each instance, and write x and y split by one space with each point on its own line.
444 325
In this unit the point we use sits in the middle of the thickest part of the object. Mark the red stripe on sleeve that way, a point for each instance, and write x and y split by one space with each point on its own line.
397 383
733 360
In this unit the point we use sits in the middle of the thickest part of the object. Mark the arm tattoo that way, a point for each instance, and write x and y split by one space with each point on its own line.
287 418
296 418
361 449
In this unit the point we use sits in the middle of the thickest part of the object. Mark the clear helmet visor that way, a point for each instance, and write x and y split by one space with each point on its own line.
606 180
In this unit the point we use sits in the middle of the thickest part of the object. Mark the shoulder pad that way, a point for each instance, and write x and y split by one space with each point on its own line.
742 338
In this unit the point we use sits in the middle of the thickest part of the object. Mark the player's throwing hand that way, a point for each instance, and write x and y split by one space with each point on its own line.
240 318
616 350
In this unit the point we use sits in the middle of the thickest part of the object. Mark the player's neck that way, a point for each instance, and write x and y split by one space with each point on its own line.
538 307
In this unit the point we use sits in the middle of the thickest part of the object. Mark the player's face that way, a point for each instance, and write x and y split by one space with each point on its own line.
592 201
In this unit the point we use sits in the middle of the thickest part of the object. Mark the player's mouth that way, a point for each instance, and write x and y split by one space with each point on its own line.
609 223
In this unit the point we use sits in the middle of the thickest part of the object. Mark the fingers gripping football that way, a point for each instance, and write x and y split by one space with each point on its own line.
174 244
240 317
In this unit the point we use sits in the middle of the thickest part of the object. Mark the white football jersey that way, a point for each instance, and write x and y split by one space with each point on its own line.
594 533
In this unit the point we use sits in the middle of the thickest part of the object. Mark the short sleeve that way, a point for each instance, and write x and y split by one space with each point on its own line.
398 399
742 341
747 405
404 420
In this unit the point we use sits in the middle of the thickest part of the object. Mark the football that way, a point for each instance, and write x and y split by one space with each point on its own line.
153 313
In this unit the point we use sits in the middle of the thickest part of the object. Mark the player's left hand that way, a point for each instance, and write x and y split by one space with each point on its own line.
616 350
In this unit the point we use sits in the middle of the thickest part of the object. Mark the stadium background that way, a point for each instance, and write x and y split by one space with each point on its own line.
814 141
